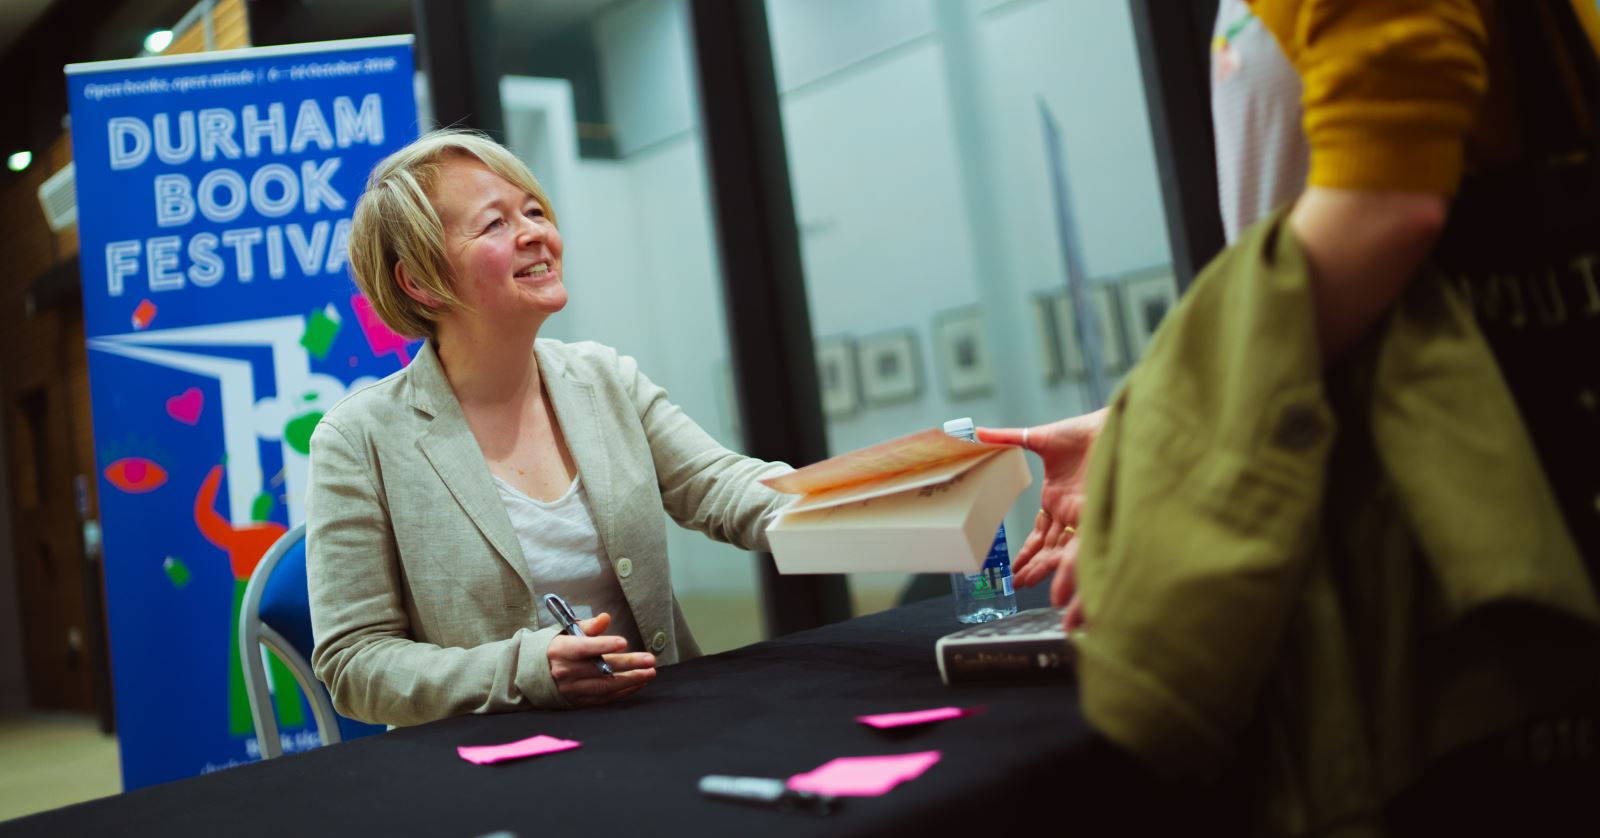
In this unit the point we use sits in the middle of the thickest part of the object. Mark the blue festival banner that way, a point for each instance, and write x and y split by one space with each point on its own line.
214 200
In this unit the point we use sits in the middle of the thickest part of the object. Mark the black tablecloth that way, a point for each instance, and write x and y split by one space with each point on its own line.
772 709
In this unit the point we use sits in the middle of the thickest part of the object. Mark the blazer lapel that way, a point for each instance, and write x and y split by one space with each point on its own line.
575 408
450 448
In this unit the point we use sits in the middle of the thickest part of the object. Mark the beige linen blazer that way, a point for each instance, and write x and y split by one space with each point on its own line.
422 604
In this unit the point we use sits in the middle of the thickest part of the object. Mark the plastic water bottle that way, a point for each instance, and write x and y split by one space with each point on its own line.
987 594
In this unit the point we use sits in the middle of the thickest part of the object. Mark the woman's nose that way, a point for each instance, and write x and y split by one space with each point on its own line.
531 231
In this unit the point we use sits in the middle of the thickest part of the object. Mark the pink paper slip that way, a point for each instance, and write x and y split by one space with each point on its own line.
531 747
863 776
916 717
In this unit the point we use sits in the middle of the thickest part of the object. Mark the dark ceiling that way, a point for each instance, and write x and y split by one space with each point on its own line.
45 35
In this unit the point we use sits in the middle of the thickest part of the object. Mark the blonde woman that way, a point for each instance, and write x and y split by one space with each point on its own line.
449 498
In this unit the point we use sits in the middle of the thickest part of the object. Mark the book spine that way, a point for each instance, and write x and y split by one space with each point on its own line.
1005 660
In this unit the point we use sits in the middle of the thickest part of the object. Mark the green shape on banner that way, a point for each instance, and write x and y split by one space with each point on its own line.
177 572
320 331
298 431
240 722
261 509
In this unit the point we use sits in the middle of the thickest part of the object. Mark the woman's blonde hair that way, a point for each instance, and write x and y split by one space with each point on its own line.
395 223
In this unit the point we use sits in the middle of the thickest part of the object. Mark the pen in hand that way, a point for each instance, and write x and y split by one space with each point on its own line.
562 612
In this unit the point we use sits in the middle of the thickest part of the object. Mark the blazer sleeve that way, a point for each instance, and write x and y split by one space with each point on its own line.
365 652
704 486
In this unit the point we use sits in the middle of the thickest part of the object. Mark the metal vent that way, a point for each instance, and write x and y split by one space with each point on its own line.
59 199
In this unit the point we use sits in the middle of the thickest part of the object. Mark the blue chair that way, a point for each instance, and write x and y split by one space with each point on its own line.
276 614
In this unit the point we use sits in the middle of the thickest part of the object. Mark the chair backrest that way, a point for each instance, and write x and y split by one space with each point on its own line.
276 614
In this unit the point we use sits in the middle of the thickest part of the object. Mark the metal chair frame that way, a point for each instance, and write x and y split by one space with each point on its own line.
253 635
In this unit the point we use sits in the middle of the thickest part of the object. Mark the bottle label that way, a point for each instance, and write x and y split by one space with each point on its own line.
995 577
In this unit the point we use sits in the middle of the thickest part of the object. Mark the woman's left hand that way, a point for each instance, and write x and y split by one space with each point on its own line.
582 683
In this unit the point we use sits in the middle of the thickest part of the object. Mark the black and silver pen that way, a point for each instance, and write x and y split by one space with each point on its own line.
764 791
560 610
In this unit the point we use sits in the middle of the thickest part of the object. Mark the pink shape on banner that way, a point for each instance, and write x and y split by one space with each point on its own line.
378 335
136 475
917 717
185 407
530 747
864 776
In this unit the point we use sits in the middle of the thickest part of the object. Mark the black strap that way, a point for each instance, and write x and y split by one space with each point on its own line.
1550 53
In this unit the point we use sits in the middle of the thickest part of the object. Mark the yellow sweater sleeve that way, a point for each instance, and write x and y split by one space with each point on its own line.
1391 87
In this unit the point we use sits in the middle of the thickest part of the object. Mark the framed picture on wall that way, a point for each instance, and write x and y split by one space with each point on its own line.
1103 304
888 365
1147 296
1113 352
1046 337
962 353
836 378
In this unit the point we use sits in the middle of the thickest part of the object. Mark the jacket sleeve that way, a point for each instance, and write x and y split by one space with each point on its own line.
365 652
704 486
1203 511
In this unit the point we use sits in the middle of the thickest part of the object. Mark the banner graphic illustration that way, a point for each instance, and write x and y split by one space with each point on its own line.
214 201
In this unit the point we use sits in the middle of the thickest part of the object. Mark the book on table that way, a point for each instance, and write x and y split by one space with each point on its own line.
923 503
1032 645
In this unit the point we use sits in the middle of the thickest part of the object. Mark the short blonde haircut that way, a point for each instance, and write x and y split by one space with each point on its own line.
395 222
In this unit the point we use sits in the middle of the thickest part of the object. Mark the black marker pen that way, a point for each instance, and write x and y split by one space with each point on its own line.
763 791
559 609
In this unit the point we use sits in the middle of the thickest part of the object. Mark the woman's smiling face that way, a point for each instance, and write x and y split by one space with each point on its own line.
504 252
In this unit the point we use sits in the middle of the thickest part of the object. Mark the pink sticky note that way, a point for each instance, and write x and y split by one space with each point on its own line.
531 747
864 776
916 717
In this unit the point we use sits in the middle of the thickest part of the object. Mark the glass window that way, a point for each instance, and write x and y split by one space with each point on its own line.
600 101
926 190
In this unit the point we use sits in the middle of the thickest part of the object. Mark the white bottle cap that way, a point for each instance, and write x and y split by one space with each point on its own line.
962 427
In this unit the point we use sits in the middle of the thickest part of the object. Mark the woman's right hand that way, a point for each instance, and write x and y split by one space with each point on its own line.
582 683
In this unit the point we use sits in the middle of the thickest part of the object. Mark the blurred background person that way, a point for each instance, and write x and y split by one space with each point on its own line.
1340 529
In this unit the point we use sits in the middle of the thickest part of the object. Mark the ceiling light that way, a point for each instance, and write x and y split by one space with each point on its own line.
158 40
19 160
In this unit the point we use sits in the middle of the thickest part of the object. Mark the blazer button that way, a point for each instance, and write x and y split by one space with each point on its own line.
624 567
658 641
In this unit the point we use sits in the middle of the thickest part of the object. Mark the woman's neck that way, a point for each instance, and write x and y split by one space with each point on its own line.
488 369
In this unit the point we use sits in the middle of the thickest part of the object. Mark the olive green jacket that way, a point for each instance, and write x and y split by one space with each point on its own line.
1299 581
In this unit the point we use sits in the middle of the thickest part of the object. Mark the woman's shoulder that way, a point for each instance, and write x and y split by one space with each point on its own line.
585 358
374 404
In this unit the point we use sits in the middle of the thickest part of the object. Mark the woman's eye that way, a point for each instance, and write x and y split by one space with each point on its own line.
534 212
494 224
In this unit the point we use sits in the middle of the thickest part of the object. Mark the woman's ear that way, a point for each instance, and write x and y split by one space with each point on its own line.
409 285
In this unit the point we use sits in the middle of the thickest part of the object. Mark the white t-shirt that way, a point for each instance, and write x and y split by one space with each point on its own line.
1262 153
562 547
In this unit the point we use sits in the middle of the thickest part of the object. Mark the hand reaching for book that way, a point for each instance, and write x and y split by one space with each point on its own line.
1064 447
